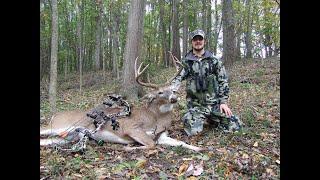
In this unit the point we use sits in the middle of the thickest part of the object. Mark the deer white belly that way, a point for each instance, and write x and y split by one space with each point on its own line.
53 132
111 137
166 108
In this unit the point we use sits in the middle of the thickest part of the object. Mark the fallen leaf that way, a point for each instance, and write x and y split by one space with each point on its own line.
222 150
278 161
255 144
270 171
245 156
89 166
152 152
82 170
163 175
190 170
141 163
191 178
198 169
102 177
183 168
210 154
203 157
77 175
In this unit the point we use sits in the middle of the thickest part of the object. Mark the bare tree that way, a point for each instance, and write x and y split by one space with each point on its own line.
238 31
209 25
54 57
80 39
217 27
175 31
163 33
115 41
229 42
248 31
132 48
204 14
98 34
185 26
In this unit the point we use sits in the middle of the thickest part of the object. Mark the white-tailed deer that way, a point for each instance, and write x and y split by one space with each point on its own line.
146 125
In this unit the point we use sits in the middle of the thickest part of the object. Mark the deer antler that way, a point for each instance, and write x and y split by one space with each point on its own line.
175 61
138 74
155 86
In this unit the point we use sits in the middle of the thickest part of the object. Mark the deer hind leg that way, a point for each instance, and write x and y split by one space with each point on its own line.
141 137
60 136
166 140
53 141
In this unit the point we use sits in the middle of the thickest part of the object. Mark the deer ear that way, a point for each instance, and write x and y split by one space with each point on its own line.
149 97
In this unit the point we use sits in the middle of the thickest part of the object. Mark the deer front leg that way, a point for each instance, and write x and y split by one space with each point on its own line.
141 137
166 140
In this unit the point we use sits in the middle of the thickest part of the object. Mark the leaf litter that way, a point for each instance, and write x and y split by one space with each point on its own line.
253 152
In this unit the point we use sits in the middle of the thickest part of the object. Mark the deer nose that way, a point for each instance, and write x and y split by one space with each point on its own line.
173 99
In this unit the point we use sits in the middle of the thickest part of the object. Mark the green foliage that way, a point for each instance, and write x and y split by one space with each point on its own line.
125 165
259 72
265 15
248 117
179 150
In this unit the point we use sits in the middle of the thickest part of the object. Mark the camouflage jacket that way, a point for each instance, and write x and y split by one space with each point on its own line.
207 81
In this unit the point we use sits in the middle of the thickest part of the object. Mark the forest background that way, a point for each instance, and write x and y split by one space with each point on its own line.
88 48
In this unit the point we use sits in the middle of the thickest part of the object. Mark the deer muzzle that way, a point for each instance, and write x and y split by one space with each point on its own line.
173 99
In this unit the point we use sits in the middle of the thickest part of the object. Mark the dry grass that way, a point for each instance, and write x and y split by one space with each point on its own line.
253 153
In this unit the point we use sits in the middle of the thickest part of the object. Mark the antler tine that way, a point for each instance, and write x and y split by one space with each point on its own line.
138 74
175 60
135 67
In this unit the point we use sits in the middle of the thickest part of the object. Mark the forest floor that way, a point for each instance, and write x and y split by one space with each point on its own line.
252 153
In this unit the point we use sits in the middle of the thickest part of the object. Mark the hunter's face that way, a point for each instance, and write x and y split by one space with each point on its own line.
198 43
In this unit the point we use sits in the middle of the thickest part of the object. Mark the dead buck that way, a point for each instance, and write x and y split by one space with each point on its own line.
146 125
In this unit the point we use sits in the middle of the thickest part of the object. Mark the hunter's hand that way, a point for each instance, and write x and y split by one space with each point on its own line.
225 109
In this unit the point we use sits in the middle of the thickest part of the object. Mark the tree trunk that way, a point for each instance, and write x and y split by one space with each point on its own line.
169 40
115 38
163 34
238 33
175 31
238 48
54 57
229 42
103 56
217 28
248 33
98 35
209 26
267 29
185 26
132 48
110 43
80 40
204 14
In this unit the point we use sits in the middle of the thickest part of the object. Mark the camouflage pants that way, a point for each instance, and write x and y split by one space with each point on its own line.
197 114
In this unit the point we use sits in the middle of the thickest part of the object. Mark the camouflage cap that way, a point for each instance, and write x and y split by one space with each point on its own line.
197 32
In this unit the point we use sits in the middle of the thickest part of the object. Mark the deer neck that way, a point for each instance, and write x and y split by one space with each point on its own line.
160 110
166 108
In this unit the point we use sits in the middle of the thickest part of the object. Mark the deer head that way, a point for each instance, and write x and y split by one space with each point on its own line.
162 94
